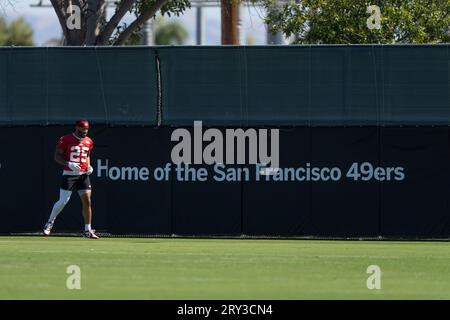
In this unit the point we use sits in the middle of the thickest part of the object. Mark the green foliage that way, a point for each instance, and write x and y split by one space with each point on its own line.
175 7
345 21
166 33
170 33
135 38
172 7
3 32
17 33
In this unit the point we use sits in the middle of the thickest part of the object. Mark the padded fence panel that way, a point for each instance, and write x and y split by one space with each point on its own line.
4 114
401 188
75 86
327 81
129 85
306 85
245 86
27 89
206 207
281 207
334 105
416 85
125 162
362 86
41 86
22 204
417 206
277 87
348 207
202 84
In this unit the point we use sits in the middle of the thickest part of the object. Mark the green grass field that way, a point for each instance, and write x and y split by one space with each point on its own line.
161 268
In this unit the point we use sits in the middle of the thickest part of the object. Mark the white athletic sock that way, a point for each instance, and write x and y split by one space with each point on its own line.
64 197
87 227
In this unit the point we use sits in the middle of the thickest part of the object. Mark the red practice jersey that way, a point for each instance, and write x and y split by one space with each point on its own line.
76 150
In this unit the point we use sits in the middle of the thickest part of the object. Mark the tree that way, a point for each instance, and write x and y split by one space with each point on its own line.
17 33
170 33
84 23
166 33
346 21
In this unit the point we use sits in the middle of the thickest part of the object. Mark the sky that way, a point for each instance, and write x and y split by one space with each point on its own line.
46 26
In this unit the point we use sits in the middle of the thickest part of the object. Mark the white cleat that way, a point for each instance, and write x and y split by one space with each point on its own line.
48 228
90 234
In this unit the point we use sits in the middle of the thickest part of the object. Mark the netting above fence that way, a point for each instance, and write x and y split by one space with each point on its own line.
318 85
244 85
58 85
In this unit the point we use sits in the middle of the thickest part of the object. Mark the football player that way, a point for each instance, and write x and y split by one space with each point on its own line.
73 153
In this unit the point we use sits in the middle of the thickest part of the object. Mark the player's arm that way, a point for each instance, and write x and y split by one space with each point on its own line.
59 157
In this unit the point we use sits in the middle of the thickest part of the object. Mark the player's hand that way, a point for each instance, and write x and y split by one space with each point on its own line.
73 166
90 170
